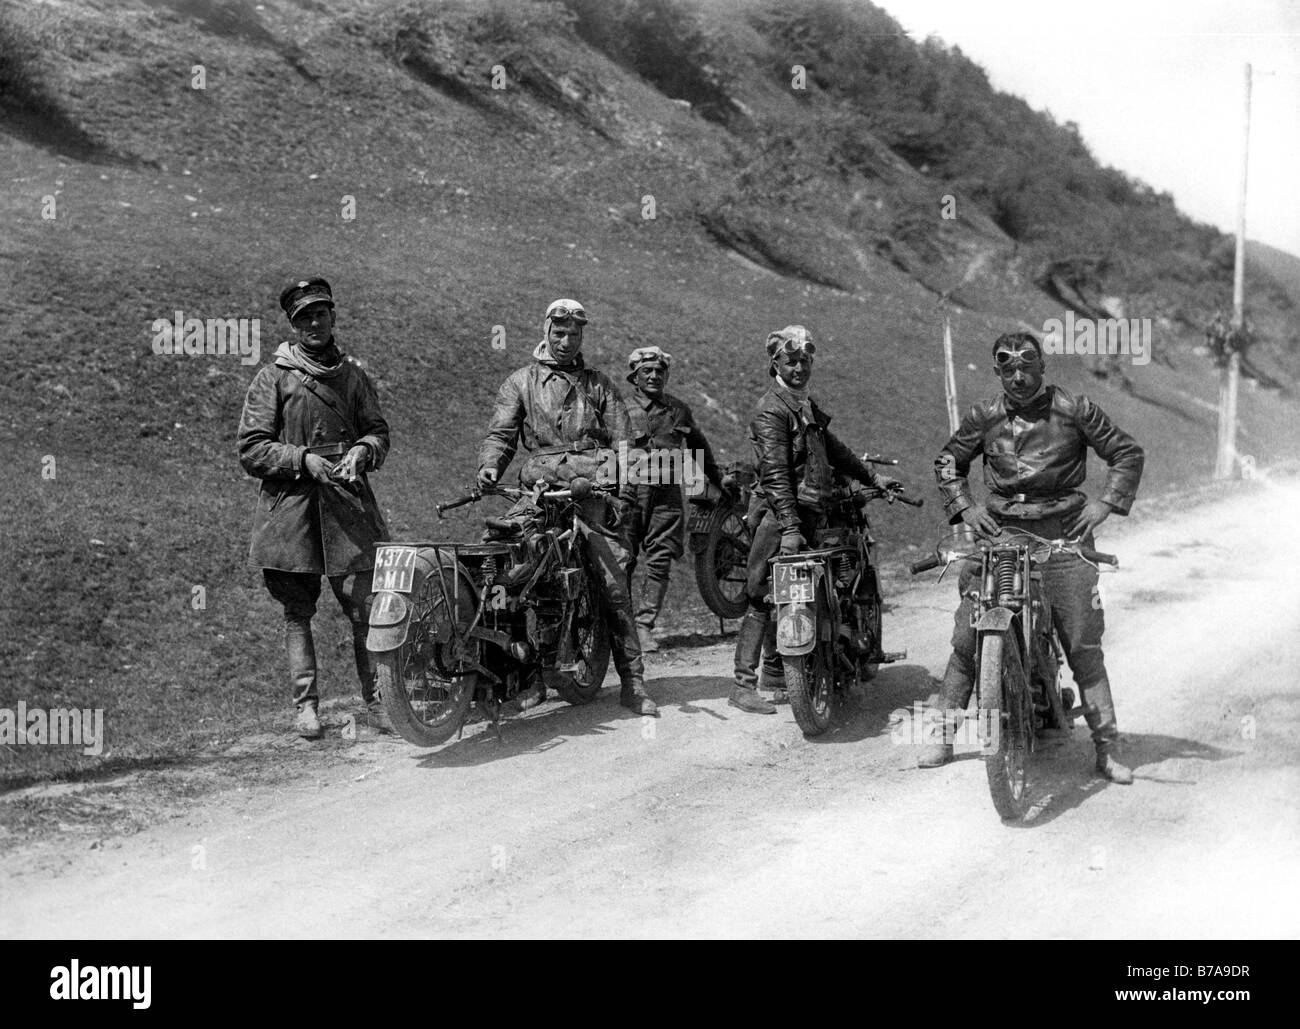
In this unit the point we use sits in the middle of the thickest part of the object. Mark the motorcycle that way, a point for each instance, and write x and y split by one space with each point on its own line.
1017 653
497 623
827 605
720 531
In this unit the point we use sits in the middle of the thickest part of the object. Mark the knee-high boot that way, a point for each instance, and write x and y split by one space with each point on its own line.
939 723
301 651
1099 713
749 650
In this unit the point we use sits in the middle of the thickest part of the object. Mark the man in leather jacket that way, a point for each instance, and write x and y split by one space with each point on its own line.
661 425
557 404
1034 440
310 429
797 455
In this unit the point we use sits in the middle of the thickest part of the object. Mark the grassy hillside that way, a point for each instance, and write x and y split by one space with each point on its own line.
474 207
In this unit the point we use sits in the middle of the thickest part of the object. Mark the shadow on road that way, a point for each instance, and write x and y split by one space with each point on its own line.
867 711
1063 777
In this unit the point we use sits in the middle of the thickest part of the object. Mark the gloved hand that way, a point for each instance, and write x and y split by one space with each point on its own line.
317 467
1093 514
792 541
978 518
487 477
353 463
619 510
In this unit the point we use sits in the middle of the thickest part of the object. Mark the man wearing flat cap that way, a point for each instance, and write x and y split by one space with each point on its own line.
558 405
664 426
797 456
311 429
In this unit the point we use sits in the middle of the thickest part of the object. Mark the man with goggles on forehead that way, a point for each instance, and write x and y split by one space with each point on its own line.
1034 441
556 405
797 457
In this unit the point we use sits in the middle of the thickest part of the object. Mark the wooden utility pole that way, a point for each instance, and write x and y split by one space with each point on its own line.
1226 462
949 378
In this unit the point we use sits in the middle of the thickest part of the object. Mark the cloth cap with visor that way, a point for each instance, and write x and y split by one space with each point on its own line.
642 356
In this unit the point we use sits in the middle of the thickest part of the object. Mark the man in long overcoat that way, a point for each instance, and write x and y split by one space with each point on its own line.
311 429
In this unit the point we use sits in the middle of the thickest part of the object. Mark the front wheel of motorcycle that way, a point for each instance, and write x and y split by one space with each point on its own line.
1007 713
810 684
581 682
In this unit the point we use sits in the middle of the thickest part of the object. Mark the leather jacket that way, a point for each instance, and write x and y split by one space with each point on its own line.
552 408
797 455
1035 457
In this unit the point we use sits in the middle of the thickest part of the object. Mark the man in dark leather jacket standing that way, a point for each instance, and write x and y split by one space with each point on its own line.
311 429
797 455
661 425
1034 440
558 404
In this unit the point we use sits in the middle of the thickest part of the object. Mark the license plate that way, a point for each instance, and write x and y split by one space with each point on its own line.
699 521
394 569
793 584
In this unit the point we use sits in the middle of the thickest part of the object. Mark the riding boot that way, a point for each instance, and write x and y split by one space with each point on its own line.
939 724
749 650
1099 713
771 676
629 662
653 592
302 675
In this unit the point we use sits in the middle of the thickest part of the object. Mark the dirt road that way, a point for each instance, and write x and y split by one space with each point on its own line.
710 822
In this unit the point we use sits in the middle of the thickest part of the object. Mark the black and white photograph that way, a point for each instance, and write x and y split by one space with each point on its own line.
652 469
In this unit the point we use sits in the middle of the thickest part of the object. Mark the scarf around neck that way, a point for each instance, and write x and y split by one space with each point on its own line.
294 355
542 355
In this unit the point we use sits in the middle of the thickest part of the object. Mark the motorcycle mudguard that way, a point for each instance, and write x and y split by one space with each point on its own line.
390 612
390 620
997 619
796 629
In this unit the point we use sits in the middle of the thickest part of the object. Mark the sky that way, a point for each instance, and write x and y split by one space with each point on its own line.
1156 87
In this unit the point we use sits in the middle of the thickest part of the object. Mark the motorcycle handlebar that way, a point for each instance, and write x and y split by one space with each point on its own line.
1097 557
925 564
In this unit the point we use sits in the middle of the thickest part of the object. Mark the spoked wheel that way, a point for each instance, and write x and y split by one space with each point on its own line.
1007 711
425 688
720 568
810 684
580 683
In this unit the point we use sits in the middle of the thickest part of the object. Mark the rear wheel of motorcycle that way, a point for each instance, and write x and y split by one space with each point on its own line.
810 684
720 567
1006 708
582 684
427 696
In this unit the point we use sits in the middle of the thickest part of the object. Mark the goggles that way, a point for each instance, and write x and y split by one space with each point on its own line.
1011 359
561 313
805 347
